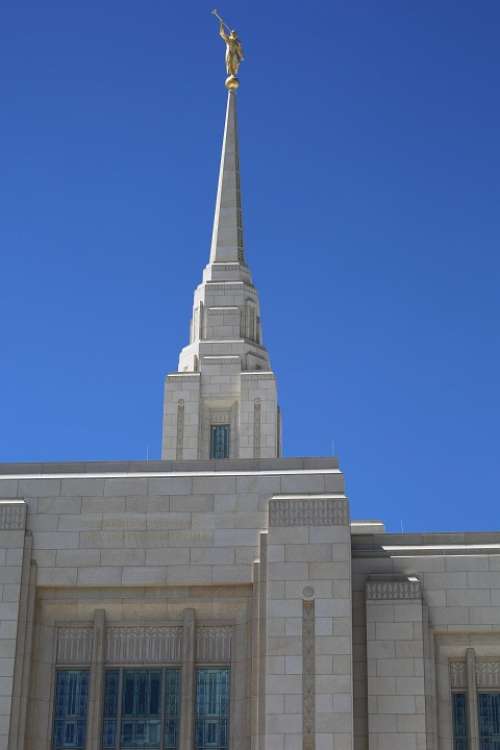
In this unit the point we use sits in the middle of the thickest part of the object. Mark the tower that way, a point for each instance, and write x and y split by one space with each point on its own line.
222 402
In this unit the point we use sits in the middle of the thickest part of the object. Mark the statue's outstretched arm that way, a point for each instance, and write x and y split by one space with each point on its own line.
223 33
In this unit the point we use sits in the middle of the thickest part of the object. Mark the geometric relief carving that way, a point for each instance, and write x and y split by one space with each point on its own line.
143 645
217 416
180 430
393 590
12 515
458 676
213 643
308 674
74 645
317 512
257 411
488 674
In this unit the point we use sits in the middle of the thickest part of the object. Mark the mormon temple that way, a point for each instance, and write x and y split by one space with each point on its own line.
222 598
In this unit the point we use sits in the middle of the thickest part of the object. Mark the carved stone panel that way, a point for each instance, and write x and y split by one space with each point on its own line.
257 418
12 515
180 430
314 512
393 590
488 673
458 677
143 645
213 643
74 645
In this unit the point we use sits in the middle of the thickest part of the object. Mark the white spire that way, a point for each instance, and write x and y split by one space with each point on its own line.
222 400
227 234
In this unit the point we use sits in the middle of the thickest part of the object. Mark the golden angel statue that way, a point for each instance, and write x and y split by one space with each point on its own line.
234 51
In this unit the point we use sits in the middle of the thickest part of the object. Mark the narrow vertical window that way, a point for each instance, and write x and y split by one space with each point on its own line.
110 718
212 709
141 701
172 698
459 721
70 715
489 721
219 441
141 709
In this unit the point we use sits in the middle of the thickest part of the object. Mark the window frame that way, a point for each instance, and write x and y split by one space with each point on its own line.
227 440
65 669
462 742
209 667
121 669
479 693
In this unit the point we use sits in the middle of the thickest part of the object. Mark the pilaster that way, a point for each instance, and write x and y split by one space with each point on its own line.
97 681
188 686
396 665
308 690
15 555
472 703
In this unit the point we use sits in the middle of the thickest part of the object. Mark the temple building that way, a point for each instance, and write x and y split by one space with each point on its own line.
222 598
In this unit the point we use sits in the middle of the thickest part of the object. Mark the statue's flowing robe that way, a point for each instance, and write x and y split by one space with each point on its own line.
233 59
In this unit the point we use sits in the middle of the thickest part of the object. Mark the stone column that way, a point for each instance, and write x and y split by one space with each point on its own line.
395 651
257 686
188 686
308 641
25 639
472 708
14 579
97 681
255 662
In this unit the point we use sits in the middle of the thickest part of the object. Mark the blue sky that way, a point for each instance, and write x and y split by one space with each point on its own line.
370 172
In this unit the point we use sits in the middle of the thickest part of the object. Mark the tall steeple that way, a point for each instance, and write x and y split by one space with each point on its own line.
227 235
222 402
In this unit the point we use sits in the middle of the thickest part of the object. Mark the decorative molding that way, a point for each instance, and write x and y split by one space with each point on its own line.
320 512
146 645
12 515
219 416
257 414
308 674
180 430
75 644
213 643
458 677
379 590
487 673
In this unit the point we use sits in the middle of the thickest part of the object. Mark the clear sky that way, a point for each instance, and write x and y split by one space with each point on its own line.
370 155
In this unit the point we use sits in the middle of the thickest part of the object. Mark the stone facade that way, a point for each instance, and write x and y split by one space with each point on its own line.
336 638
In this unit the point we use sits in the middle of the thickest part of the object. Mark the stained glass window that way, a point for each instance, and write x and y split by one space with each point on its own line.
219 441
489 721
212 709
70 715
459 721
141 709
110 718
172 700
